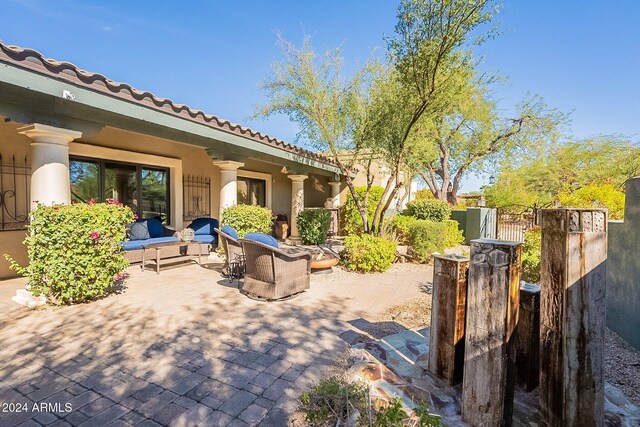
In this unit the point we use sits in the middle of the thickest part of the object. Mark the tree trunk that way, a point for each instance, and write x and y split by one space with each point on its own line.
434 186
382 204
345 170
361 209
377 229
452 198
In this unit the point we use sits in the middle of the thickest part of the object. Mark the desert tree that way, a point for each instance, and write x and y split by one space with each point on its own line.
341 114
326 105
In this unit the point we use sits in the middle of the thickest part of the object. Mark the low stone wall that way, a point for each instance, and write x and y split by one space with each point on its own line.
623 269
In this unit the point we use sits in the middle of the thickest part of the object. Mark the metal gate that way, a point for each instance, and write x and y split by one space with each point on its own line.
15 182
513 221
196 192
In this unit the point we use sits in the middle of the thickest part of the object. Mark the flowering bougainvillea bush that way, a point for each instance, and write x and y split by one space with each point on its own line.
74 251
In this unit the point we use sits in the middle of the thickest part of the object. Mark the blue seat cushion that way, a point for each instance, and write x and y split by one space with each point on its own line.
206 238
133 245
204 226
156 229
263 238
230 231
139 230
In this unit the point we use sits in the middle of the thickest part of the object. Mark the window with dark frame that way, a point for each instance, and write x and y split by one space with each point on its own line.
145 189
252 191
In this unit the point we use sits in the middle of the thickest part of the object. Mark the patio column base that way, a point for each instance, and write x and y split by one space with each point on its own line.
297 202
49 163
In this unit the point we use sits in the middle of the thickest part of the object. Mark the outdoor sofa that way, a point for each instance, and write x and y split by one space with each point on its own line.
151 230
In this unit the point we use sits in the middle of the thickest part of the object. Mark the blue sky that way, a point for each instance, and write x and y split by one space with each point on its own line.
580 56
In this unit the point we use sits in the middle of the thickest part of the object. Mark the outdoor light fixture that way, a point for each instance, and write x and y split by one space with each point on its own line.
66 94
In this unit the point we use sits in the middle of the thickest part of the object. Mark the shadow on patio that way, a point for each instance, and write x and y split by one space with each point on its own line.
178 348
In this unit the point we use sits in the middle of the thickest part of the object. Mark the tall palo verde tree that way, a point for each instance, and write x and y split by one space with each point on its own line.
375 113
327 106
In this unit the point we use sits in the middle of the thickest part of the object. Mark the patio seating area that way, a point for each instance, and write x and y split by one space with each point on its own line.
185 347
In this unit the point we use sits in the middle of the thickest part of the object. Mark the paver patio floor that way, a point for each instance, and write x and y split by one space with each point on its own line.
182 348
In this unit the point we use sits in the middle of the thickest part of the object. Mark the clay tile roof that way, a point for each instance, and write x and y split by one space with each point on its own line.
33 60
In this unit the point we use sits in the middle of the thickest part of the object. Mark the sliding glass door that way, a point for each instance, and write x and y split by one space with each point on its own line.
85 180
121 184
155 192
145 189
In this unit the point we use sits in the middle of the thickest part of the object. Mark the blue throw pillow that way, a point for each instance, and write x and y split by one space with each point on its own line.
204 226
263 238
156 229
138 231
229 231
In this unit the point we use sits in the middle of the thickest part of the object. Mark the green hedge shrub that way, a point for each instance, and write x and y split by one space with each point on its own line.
368 253
247 219
431 210
350 217
399 226
427 237
313 225
452 233
596 196
531 253
74 251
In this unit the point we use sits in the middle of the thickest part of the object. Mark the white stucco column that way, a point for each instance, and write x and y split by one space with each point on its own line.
297 201
228 183
335 193
49 163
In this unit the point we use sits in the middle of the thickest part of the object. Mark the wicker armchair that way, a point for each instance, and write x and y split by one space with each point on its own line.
232 250
272 274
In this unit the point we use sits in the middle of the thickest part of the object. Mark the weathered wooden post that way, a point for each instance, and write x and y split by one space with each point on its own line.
492 315
528 337
446 342
572 310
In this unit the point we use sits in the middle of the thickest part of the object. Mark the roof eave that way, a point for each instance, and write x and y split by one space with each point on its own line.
52 86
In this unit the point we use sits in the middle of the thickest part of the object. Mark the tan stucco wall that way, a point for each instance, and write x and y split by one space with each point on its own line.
158 151
121 145
316 187
280 184
381 176
12 144
316 191
11 244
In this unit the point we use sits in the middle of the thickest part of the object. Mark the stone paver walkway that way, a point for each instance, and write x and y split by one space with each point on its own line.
182 348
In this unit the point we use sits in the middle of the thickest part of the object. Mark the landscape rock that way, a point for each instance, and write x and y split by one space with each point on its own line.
26 298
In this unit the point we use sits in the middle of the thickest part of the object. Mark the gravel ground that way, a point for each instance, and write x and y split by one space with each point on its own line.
622 366
414 313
